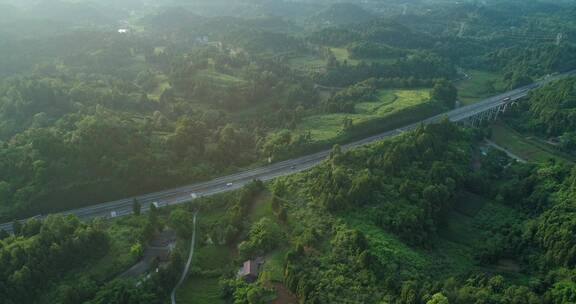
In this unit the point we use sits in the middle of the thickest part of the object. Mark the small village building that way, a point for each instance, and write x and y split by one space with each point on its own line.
250 270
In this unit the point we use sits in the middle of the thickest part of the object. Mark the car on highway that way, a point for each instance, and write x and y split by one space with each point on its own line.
293 167
113 214
507 99
229 184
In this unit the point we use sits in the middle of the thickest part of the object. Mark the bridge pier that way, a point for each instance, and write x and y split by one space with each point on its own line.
491 114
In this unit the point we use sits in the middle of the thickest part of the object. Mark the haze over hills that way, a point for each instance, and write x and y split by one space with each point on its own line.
275 151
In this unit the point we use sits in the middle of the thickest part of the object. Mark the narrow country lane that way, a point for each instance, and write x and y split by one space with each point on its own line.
188 263
508 152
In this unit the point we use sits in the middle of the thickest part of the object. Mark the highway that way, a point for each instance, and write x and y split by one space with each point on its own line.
231 182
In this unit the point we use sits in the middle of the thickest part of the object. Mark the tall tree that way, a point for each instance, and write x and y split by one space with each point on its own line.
136 207
445 92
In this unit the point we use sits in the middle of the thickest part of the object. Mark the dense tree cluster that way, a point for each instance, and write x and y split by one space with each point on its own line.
241 292
406 206
384 32
445 92
552 108
43 251
374 50
407 191
534 60
226 229
58 279
66 138
344 101
421 65
549 113
264 236
88 114
351 271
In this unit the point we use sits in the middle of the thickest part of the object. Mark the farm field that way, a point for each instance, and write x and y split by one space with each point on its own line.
306 62
522 146
479 85
328 126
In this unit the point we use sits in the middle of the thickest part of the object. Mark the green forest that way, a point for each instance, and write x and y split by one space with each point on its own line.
89 114
108 100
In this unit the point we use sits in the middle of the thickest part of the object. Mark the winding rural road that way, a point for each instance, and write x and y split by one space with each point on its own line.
188 262
226 183
508 152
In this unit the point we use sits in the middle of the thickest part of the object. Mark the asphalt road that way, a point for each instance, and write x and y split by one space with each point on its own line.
226 183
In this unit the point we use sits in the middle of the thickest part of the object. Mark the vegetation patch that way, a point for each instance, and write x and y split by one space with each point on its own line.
327 127
519 145
205 290
343 55
273 269
479 85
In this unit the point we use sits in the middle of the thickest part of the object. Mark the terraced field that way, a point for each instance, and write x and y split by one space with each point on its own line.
525 147
389 102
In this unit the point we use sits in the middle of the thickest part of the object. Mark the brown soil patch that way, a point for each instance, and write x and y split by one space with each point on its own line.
284 295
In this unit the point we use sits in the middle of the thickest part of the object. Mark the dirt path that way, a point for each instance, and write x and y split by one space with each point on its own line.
284 295
187 268
510 154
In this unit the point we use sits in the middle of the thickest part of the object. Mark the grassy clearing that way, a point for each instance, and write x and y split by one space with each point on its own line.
342 55
388 248
325 127
459 238
385 99
261 207
451 258
480 85
522 146
210 260
222 79
459 228
163 84
213 257
305 62
459 224
462 235
469 204
465 232
200 291
159 50
273 270
328 126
